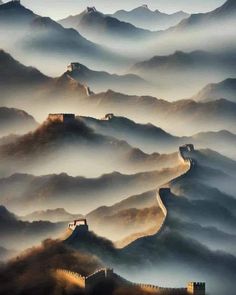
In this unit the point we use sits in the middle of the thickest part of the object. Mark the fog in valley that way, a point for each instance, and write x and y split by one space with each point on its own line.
117 146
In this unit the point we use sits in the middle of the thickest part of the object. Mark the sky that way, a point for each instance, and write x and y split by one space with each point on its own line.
58 9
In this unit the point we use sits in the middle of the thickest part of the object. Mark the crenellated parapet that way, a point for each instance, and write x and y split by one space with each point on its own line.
164 192
61 117
196 288
185 151
104 274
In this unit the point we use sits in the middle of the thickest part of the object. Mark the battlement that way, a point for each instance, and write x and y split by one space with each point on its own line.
73 66
184 151
81 223
196 288
61 117
104 274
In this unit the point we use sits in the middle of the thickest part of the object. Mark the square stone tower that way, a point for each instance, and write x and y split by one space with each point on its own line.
196 288
63 118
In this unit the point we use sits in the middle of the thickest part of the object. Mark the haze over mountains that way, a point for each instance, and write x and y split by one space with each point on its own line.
22 233
11 120
57 143
40 36
117 146
102 28
225 89
20 191
102 81
149 137
195 69
144 17
65 93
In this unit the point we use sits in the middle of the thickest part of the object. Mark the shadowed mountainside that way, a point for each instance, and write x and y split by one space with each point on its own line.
64 144
175 71
42 37
175 245
222 13
103 28
34 88
129 217
182 117
38 265
82 194
150 138
102 81
15 121
23 234
225 89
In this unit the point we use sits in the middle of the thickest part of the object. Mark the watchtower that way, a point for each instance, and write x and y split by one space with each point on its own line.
91 9
196 288
60 117
73 66
81 223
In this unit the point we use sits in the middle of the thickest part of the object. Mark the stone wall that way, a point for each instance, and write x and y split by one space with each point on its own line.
61 117
107 273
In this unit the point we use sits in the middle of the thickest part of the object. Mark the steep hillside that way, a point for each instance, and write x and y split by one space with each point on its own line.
146 18
150 138
23 234
147 137
222 13
102 28
37 36
196 68
131 216
39 264
15 121
225 89
183 117
61 145
25 193
34 88
102 81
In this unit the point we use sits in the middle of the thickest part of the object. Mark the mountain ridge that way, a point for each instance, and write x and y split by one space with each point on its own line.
149 19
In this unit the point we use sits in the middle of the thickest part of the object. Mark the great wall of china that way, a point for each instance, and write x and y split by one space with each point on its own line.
87 283
105 274
165 190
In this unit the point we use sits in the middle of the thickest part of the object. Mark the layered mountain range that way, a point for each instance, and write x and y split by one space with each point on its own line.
150 138
19 234
117 146
144 17
14 121
41 36
102 28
